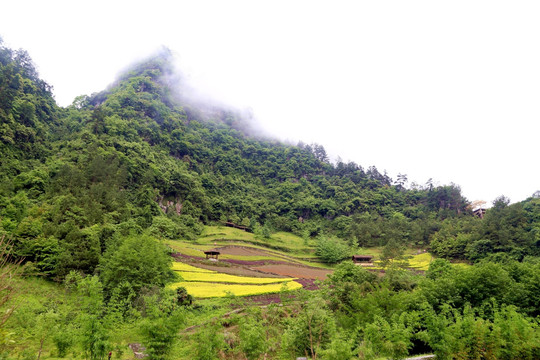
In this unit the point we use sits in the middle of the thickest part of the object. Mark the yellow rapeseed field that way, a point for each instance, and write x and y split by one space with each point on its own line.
420 261
226 278
179 266
205 283
208 290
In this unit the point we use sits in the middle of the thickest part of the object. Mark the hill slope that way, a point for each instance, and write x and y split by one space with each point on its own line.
142 156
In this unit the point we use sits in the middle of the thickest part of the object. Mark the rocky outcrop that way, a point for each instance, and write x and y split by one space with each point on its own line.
167 205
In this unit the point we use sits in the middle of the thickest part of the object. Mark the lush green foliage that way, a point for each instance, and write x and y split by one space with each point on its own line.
161 325
332 250
89 192
137 263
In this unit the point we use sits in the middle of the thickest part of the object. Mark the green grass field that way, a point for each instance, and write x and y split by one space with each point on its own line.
197 250
286 242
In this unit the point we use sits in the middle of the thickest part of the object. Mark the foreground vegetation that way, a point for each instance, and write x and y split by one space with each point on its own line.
487 311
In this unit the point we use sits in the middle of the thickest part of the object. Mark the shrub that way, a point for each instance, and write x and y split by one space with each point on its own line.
331 250
140 261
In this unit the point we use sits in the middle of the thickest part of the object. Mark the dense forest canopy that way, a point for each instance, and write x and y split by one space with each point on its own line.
87 189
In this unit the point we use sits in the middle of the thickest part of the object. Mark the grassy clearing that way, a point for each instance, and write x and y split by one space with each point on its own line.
213 233
373 251
283 241
186 248
281 246
197 250
413 260
420 261
210 290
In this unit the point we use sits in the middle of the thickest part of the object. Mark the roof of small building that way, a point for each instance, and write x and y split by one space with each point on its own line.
362 256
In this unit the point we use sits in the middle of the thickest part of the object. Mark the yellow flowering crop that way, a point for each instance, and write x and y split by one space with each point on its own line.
420 261
226 278
179 266
207 290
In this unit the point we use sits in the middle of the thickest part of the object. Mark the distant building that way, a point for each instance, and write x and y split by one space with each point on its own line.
212 254
480 212
362 259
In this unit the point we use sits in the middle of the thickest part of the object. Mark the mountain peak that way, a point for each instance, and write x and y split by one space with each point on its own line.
157 83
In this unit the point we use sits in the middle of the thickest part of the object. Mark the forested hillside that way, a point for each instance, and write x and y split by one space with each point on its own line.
86 190
136 157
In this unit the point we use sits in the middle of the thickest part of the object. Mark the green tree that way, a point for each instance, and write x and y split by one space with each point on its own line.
140 261
252 337
45 326
387 338
439 268
8 289
392 254
161 324
331 250
310 331
347 283
94 332
209 342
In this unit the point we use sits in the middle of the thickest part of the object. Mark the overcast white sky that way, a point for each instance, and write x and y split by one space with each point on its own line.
444 90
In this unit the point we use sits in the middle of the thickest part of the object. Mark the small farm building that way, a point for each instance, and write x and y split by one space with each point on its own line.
212 254
362 258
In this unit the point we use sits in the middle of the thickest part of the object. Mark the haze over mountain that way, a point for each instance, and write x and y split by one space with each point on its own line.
429 90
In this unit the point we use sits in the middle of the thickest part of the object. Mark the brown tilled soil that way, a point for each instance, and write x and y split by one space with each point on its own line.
242 251
294 271
259 268
236 270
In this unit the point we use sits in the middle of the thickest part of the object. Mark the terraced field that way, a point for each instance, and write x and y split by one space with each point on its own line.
204 283
249 265
239 245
